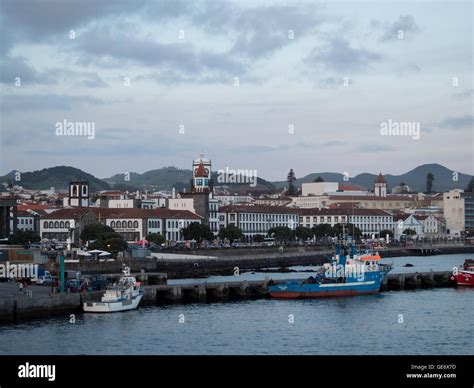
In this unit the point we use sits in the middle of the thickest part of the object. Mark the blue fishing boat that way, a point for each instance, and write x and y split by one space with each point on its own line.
349 273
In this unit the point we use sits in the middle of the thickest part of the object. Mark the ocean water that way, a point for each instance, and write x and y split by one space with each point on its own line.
433 321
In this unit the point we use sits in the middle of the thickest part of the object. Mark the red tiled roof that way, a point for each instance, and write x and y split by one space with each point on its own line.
380 179
373 198
349 188
108 213
69 213
32 206
201 171
344 211
258 209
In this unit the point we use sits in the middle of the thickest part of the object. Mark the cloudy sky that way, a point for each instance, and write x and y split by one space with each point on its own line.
265 85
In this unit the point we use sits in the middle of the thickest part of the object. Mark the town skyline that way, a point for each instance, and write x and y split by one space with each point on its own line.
346 87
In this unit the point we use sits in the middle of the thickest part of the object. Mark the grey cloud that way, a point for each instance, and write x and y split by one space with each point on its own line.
10 68
405 23
466 93
374 148
339 55
263 30
113 47
459 122
30 102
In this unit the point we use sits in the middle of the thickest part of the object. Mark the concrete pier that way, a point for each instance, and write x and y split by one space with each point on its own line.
17 307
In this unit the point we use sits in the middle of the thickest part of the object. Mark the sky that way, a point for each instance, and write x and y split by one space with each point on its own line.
260 85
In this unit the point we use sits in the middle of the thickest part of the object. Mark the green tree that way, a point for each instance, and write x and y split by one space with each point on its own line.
197 231
258 238
409 232
429 182
156 238
95 231
114 243
281 233
291 178
348 229
23 237
384 233
322 230
318 179
231 233
303 233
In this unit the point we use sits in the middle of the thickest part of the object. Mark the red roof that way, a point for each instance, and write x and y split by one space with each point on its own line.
344 212
380 179
201 171
32 206
258 209
107 213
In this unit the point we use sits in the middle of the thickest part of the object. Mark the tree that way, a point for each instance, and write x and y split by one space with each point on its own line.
291 186
281 233
303 233
104 237
429 182
318 179
231 233
156 238
384 233
23 237
409 232
197 231
258 238
114 243
95 231
348 230
470 186
322 230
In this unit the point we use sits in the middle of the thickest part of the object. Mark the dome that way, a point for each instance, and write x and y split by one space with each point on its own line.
201 159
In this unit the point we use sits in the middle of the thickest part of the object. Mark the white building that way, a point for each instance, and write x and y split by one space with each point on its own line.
407 221
257 219
318 188
453 212
369 221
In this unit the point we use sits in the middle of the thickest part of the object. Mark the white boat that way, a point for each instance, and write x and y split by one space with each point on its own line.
122 296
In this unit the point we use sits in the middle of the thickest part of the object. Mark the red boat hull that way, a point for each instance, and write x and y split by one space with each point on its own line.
465 278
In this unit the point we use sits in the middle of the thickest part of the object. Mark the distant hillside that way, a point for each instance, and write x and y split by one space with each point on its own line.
160 179
168 177
57 177
415 179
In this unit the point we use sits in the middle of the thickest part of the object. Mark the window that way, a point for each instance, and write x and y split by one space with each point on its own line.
130 225
56 224
51 225
61 224
135 224
45 224
68 224
112 224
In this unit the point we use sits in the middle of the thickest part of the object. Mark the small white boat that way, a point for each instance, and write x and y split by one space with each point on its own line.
122 296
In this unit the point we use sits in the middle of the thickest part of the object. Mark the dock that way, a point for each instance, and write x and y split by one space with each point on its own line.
38 303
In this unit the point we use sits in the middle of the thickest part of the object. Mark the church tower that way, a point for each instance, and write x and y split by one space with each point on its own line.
79 194
380 187
201 181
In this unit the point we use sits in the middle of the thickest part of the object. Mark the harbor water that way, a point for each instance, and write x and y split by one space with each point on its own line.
429 321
